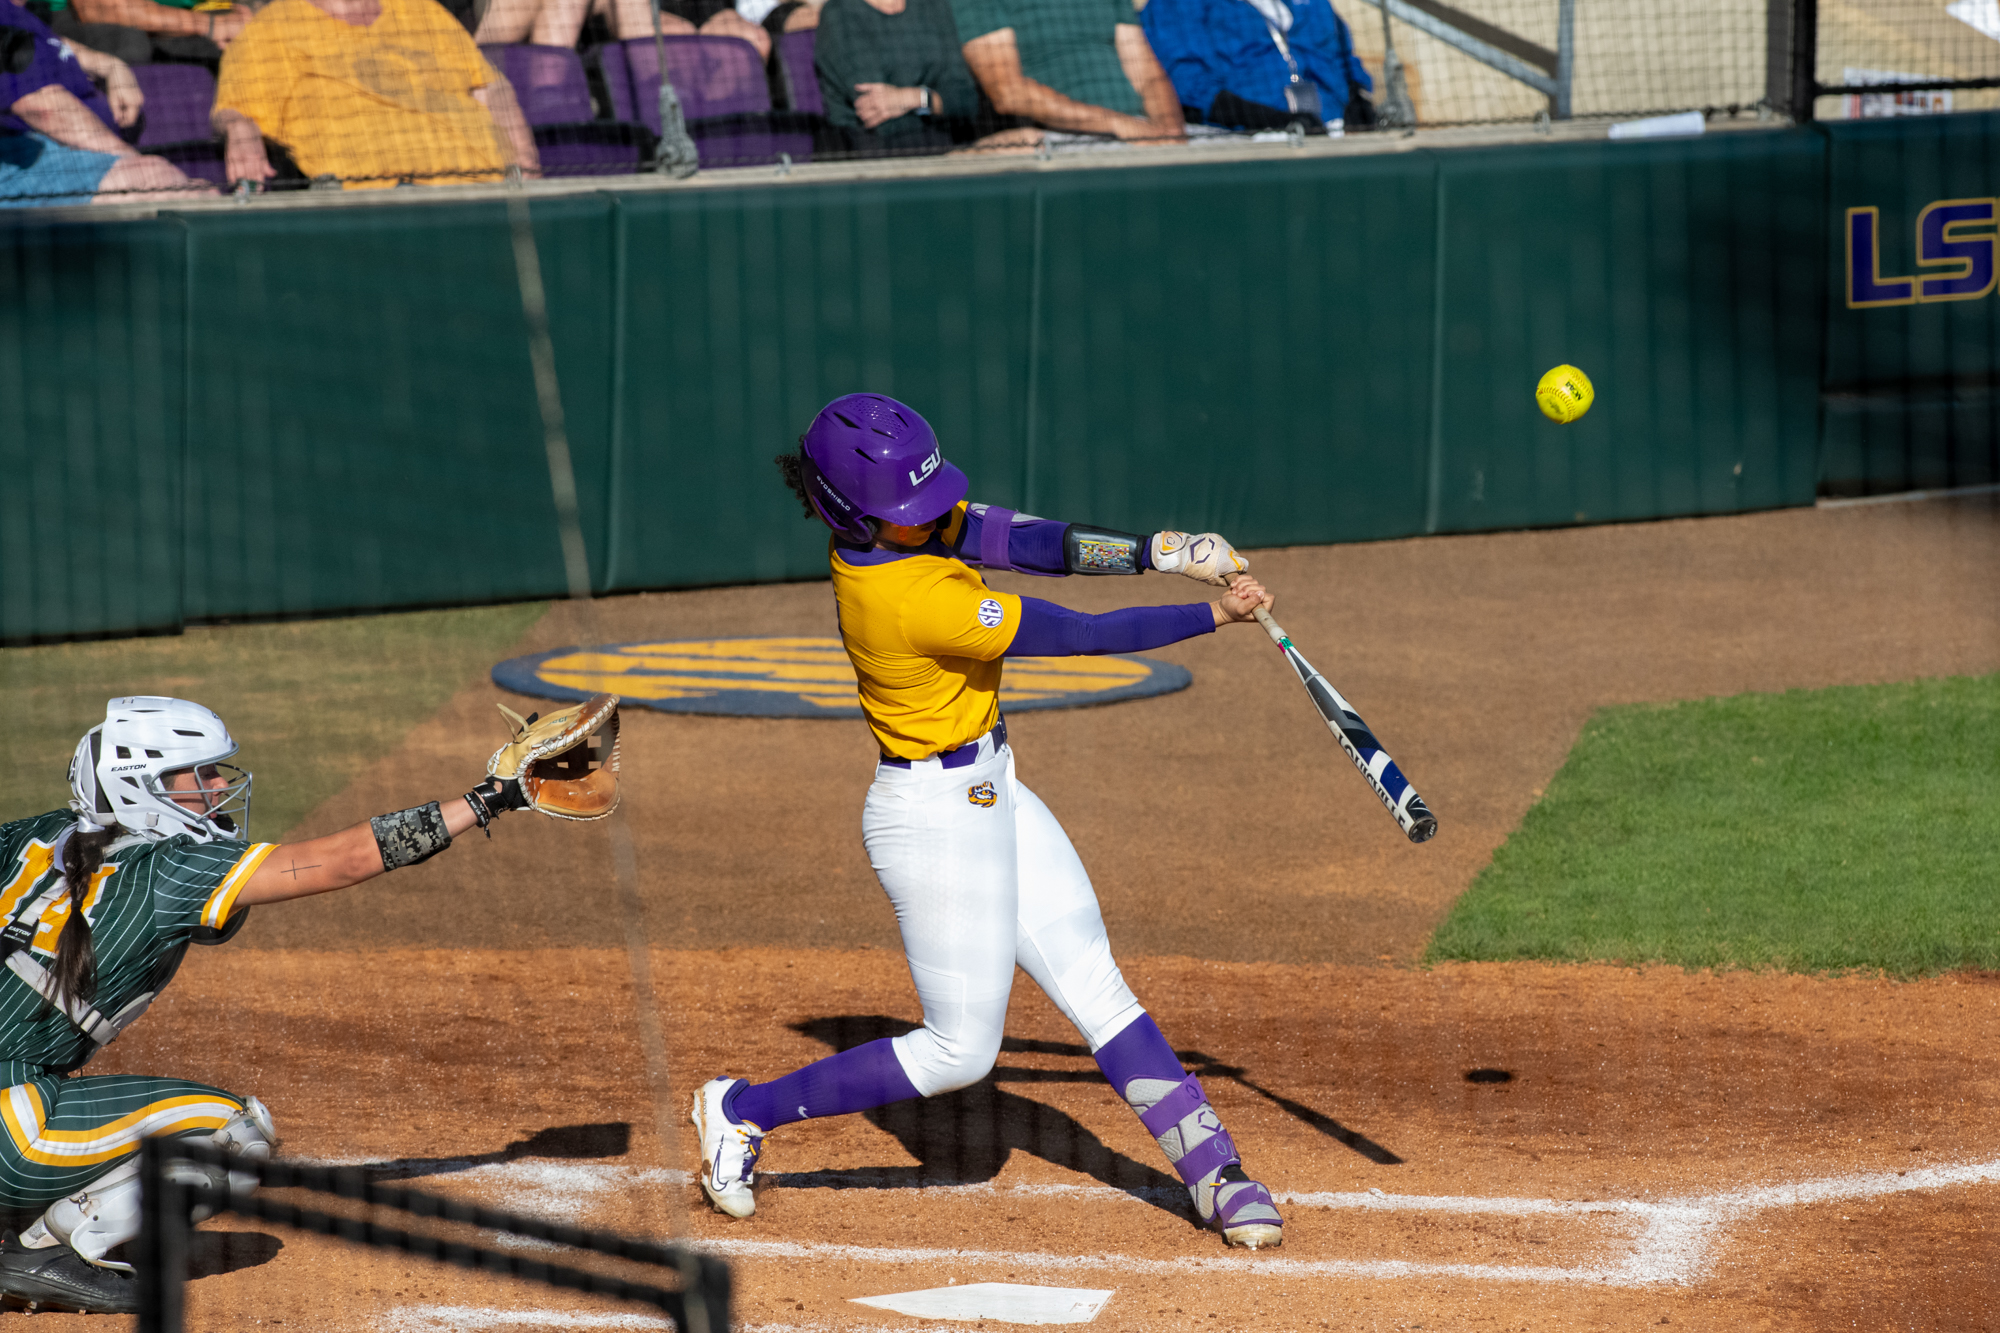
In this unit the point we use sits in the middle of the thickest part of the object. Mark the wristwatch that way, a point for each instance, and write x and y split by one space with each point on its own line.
923 101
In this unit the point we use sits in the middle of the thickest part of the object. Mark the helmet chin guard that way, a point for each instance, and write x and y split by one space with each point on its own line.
868 460
118 774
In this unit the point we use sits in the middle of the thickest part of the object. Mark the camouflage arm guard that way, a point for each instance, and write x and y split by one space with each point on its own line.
410 836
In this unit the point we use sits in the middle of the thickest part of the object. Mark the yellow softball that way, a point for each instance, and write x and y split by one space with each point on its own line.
1564 394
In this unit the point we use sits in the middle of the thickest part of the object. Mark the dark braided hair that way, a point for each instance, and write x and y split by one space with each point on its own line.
75 971
788 467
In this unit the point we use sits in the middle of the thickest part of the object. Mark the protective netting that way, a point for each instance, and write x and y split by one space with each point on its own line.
1865 43
359 94
1511 60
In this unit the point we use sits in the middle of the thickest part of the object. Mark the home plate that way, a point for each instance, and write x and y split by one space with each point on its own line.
1007 1302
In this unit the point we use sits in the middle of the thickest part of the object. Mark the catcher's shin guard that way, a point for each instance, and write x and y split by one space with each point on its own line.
105 1213
1179 1117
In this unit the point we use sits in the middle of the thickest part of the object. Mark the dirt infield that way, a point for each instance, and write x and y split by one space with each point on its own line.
469 1024
1635 1099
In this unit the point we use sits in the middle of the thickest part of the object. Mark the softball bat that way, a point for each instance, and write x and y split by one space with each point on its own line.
1384 778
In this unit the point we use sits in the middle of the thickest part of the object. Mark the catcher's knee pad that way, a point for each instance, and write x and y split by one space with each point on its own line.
105 1213
249 1133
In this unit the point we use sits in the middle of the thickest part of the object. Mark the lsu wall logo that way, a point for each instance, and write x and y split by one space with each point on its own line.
1954 243
982 796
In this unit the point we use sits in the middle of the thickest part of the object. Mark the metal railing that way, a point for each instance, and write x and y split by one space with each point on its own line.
700 1304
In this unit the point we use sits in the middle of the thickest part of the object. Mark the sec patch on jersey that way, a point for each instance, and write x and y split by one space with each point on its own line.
991 613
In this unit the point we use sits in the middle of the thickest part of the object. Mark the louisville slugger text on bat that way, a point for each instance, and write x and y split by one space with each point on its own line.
1389 784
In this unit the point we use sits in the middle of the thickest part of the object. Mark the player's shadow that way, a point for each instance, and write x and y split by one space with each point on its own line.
1208 1068
570 1142
213 1253
845 1032
965 1137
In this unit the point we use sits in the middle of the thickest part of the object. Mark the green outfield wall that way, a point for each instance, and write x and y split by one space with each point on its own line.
274 411
1912 381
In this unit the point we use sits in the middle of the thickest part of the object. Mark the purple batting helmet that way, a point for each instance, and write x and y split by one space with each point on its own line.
868 457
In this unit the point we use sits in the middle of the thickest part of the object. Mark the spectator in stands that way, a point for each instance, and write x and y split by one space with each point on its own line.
891 76
53 147
560 22
1081 66
370 93
1257 64
783 15
140 32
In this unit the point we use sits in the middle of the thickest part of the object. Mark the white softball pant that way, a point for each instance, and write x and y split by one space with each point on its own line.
982 877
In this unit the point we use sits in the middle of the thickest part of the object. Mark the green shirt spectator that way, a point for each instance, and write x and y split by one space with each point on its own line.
891 76
1066 44
1081 66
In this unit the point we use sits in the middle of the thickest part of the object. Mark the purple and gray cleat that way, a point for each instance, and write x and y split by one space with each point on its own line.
1183 1123
1241 1209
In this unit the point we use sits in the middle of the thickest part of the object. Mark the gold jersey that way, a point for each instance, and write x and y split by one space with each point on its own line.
926 636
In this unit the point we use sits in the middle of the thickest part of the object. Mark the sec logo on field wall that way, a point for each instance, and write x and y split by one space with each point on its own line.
801 677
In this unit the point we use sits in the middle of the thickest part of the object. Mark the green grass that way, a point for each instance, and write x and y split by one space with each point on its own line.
1818 830
310 702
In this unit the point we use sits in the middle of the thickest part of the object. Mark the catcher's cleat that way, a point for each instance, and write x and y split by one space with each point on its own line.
1241 1210
58 1278
729 1148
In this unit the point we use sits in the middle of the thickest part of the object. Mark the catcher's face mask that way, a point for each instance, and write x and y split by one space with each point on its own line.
122 767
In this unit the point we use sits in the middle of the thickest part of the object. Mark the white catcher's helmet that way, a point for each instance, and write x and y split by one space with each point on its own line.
116 774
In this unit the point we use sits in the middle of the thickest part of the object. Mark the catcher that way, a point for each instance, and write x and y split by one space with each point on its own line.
100 902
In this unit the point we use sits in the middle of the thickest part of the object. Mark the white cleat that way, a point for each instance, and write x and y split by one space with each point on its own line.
729 1149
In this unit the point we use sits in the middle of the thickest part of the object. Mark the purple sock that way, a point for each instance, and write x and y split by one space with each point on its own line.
1140 1051
857 1080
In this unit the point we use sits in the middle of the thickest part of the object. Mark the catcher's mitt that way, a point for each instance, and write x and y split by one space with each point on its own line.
567 762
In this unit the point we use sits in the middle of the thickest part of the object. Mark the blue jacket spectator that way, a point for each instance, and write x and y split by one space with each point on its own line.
1255 64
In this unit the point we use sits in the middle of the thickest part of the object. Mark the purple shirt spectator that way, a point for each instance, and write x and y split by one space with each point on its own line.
32 58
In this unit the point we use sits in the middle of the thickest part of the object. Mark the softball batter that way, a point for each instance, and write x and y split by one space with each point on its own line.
100 902
981 875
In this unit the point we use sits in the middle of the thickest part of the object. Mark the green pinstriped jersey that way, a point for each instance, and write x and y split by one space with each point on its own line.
143 907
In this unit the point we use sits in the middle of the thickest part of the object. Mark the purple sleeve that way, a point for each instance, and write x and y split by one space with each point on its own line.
1034 545
38 58
1048 630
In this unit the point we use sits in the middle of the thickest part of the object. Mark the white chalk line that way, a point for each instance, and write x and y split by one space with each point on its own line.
1672 1248
470 1318
478 1318
1672 1244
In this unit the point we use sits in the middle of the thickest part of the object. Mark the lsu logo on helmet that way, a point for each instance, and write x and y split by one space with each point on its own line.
982 795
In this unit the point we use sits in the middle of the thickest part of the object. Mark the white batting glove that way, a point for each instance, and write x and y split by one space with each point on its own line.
1204 556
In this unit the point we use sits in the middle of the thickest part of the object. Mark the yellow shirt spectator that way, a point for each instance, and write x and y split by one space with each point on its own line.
373 105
